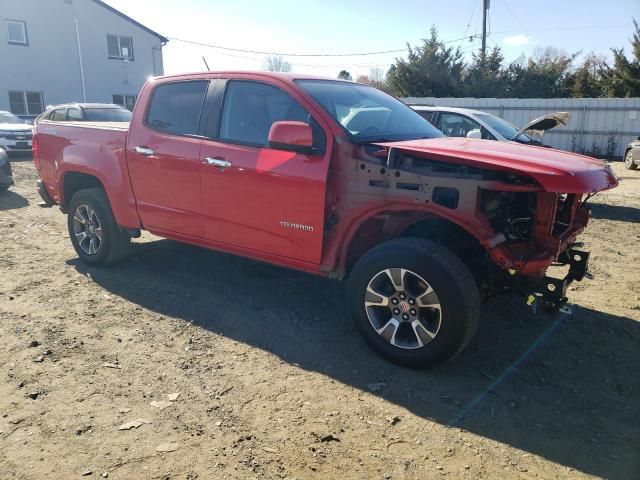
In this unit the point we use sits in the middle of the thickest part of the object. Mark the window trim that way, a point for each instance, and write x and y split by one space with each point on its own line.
207 82
218 123
24 28
131 57
26 103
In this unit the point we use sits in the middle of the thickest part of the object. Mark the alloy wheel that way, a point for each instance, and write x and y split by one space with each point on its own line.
88 229
403 308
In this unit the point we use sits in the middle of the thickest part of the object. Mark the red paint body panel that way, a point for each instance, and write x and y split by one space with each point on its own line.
295 209
291 133
555 170
93 150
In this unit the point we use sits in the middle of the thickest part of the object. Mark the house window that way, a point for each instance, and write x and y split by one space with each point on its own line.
17 32
120 47
26 103
126 101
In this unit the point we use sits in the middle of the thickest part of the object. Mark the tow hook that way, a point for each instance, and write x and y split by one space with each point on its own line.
552 292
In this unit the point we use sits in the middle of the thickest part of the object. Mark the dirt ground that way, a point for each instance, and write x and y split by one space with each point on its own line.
274 382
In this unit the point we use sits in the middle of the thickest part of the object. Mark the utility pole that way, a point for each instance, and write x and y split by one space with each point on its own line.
485 11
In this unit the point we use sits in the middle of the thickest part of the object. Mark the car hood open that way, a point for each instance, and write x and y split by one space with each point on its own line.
546 122
555 170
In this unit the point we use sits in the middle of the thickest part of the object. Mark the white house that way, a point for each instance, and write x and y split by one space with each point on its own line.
59 51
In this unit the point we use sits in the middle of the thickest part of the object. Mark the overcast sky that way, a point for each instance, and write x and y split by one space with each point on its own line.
353 26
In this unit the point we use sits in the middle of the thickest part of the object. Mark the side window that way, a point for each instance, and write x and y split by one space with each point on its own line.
250 108
74 115
175 107
454 125
428 116
120 47
59 115
17 32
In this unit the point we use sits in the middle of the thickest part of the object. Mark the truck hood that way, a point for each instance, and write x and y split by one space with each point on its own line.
555 170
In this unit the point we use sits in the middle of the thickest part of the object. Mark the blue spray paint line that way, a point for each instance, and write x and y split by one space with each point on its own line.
509 370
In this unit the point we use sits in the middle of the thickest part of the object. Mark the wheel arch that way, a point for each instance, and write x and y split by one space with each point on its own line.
74 181
381 226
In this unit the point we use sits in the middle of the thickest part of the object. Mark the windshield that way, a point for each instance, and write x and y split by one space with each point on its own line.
503 127
107 115
6 117
368 114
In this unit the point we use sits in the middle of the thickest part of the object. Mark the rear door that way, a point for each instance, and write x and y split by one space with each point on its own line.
262 199
163 154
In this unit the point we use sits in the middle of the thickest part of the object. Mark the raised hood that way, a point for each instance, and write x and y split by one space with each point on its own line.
555 170
546 122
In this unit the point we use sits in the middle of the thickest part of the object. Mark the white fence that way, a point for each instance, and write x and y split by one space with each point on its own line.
600 126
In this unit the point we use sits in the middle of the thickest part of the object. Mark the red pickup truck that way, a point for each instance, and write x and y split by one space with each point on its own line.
333 178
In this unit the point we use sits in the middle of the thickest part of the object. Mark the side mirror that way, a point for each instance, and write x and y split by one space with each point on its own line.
475 133
290 135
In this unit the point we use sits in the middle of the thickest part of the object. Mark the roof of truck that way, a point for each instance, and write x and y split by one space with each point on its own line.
287 76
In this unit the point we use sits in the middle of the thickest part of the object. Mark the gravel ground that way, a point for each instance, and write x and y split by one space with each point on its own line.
274 382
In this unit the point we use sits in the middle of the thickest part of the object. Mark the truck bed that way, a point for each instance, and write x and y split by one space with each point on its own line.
97 149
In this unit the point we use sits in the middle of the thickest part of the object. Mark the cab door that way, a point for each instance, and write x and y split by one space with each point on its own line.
163 155
255 197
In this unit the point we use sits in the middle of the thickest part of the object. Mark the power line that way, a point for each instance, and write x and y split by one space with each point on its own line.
284 54
514 16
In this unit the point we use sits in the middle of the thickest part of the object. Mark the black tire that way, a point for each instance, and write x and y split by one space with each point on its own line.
628 161
115 243
449 278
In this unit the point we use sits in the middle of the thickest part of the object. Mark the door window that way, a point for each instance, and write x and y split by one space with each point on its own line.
250 108
74 115
59 115
175 107
454 125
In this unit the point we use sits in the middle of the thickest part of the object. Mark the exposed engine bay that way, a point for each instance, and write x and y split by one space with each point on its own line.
532 229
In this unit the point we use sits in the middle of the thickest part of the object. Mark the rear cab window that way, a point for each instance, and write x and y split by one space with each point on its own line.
59 115
175 108
74 115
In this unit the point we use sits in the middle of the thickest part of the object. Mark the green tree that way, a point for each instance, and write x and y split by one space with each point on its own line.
345 75
623 79
485 77
547 74
431 69
588 81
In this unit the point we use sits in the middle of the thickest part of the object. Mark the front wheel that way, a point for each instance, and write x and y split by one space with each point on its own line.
628 161
94 233
414 302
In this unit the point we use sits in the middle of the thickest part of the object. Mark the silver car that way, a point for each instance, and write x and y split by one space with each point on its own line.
464 122
632 155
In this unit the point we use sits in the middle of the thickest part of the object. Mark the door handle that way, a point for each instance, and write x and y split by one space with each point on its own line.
218 162
146 151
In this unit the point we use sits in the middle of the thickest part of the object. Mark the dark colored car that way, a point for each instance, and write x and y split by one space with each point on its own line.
87 112
632 155
6 177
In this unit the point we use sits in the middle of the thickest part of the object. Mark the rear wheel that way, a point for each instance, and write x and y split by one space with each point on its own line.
414 302
628 161
94 233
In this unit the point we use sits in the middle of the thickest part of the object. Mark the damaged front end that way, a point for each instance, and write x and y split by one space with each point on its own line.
525 205
538 230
